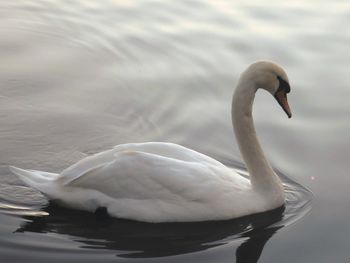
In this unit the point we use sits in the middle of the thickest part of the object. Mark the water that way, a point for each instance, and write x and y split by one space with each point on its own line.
77 77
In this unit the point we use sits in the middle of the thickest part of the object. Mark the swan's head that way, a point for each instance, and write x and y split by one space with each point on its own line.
272 78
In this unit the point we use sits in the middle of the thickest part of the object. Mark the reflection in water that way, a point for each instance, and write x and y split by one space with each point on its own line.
145 240
250 251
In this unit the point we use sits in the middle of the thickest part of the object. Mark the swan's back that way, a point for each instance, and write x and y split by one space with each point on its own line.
149 170
169 183
170 150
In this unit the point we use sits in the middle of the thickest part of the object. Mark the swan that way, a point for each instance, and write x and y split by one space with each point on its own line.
166 182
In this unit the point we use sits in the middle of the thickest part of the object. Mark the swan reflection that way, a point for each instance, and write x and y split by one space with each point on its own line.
130 239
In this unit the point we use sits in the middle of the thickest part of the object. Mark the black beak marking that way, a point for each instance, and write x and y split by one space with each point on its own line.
281 95
284 85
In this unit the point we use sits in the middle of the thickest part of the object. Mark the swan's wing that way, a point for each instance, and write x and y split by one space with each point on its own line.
169 150
85 165
142 175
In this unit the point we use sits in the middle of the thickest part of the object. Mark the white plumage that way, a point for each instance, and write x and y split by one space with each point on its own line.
166 182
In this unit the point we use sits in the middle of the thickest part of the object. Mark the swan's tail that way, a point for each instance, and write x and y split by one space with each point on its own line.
36 179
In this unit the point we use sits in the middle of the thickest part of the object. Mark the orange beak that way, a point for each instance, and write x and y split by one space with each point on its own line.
281 97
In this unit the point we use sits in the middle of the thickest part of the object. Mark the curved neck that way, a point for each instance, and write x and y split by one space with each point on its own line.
260 171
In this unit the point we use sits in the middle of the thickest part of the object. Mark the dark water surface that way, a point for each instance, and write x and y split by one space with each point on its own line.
78 77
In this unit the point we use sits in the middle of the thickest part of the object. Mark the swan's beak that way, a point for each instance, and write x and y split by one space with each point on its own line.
281 97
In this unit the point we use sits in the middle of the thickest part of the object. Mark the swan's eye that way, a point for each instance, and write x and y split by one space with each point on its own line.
284 85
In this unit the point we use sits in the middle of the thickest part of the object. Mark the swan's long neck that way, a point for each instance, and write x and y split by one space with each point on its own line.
260 171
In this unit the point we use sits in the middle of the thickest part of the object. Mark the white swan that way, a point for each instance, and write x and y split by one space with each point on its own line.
165 182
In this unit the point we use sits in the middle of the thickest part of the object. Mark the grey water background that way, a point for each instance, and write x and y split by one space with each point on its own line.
78 77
